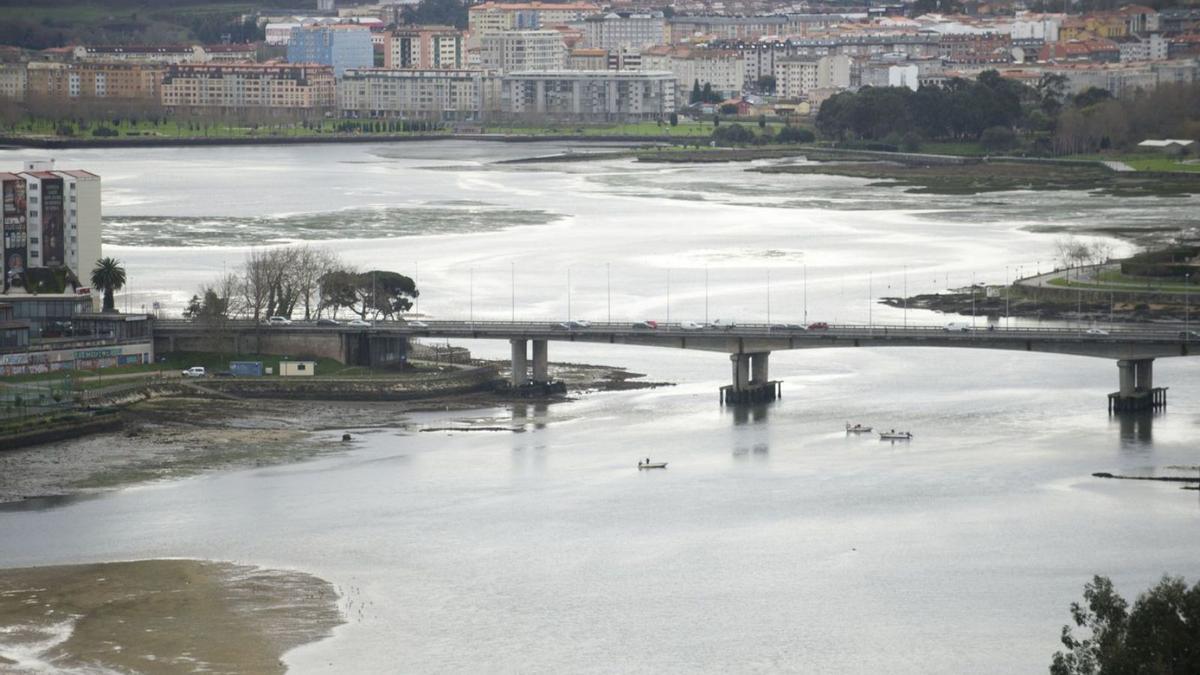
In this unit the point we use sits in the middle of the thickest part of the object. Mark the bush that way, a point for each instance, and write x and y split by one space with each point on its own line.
105 132
911 142
998 138
733 134
791 134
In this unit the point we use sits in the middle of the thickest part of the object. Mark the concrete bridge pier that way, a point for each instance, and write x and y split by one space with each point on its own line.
537 383
751 383
541 362
1136 387
520 365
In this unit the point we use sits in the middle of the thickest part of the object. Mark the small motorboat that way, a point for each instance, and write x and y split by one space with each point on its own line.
894 435
857 429
652 465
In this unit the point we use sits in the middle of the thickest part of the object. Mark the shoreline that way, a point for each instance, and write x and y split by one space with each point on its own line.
185 434
19 143
161 615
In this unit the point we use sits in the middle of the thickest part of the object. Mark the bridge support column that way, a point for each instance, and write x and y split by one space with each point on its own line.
750 383
541 362
1137 391
520 364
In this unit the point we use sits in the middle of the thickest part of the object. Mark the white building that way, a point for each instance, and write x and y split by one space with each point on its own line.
797 76
599 95
615 31
1153 48
523 50
442 94
1036 27
723 69
51 220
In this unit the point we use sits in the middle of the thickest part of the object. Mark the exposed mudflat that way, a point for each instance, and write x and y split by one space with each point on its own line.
159 616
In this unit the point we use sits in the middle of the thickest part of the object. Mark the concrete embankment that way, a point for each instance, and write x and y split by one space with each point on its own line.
49 430
164 142
481 378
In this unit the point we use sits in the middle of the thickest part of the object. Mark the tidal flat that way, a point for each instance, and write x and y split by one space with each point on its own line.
159 616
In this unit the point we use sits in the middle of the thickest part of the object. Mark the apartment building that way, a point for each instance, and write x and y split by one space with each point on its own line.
496 17
54 81
141 54
238 88
443 94
721 68
424 47
1152 48
13 81
976 48
684 28
796 77
523 50
341 46
614 31
587 59
589 95
51 220
759 57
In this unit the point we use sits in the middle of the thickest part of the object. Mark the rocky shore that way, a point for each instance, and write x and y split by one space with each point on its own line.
1087 307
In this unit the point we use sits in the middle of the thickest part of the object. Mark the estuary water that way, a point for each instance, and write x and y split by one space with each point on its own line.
773 541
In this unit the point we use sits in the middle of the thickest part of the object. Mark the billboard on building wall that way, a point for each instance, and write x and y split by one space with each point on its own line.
53 219
16 246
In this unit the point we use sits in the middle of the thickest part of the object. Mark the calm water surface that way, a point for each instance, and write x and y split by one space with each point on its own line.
773 541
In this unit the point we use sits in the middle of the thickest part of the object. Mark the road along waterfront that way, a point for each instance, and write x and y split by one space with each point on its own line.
773 541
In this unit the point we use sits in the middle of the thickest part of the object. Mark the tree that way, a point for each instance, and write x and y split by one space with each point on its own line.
997 138
762 121
376 292
729 109
1160 635
695 98
765 84
674 119
790 134
108 276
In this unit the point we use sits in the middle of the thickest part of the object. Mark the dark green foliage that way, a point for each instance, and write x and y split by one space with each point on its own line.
375 293
1160 635
791 134
733 134
674 119
104 132
996 139
440 12
728 109
108 276
1091 97
765 84
212 306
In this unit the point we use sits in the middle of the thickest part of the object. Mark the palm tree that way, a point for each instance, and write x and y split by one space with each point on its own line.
108 276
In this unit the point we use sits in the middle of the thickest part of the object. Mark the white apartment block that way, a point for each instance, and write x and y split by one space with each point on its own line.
602 95
51 220
1153 48
133 54
496 17
1044 28
523 50
797 76
617 31
14 81
442 94
723 69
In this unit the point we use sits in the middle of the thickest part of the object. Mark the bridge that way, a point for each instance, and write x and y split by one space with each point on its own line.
748 345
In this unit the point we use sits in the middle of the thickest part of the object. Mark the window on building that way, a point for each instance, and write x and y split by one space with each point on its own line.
33 240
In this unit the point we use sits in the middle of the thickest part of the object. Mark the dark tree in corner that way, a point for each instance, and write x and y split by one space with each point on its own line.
1160 635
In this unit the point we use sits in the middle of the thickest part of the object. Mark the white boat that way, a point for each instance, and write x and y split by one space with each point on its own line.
894 435
856 429
652 465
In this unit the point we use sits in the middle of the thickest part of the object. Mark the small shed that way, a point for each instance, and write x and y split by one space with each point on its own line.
246 368
297 368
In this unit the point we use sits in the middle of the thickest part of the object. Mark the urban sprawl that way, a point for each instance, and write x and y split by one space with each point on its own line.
592 62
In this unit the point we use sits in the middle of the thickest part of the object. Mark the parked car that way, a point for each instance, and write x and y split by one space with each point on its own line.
818 325
359 323
646 324
279 321
195 371
328 322
956 327
725 325
1096 331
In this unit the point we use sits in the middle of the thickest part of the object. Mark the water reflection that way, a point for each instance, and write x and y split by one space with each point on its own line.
1136 429
750 442
530 413
750 414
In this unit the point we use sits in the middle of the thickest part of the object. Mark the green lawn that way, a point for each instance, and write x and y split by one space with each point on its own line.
959 149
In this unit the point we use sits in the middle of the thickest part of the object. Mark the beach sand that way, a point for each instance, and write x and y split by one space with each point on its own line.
159 616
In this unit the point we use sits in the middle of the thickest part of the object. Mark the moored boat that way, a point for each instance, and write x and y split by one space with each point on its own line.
893 435
652 465
857 429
